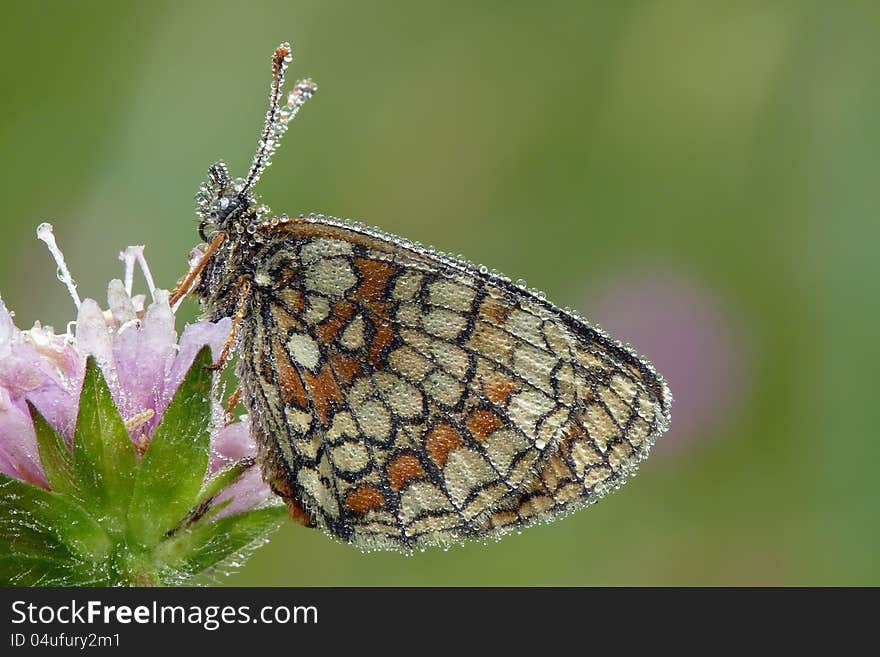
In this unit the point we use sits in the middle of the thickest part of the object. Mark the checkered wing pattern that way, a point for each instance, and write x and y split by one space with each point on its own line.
403 398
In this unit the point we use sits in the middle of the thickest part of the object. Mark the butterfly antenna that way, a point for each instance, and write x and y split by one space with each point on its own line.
278 115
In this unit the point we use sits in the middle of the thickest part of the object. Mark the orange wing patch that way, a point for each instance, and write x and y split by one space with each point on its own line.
376 275
324 391
482 422
442 439
339 315
384 332
347 368
362 499
289 382
499 388
403 469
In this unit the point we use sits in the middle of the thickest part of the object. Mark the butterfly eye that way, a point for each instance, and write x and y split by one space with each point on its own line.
208 225
219 175
226 207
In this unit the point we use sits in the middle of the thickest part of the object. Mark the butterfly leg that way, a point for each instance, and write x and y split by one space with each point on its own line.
184 285
244 289
231 404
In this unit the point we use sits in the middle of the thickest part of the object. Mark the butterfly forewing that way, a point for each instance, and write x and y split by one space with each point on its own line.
403 398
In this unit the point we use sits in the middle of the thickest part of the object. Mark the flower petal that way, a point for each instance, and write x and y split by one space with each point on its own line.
43 367
19 454
196 336
121 305
7 328
233 443
92 334
142 356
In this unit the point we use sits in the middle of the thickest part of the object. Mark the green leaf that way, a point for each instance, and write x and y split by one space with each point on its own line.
56 458
103 455
208 544
46 535
173 468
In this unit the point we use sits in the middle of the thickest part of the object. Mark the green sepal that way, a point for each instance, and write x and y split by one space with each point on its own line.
224 477
104 461
48 538
56 458
209 544
205 507
173 467
26 570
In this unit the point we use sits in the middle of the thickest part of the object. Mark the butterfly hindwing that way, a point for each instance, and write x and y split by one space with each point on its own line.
404 398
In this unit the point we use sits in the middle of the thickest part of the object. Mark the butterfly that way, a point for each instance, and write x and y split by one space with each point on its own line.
401 397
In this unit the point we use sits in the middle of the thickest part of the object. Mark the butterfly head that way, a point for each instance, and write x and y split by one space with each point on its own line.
222 202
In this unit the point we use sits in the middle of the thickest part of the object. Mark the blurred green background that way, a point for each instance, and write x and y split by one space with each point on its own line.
701 178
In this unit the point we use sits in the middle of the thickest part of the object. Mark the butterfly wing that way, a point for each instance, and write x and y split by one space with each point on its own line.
403 398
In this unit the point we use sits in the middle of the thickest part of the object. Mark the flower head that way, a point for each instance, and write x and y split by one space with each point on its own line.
143 367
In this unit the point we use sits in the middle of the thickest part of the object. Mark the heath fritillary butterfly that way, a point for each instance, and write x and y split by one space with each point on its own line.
401 397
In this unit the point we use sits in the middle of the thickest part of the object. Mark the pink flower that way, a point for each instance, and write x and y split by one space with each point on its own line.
139 355
694 337
46 369
231 444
